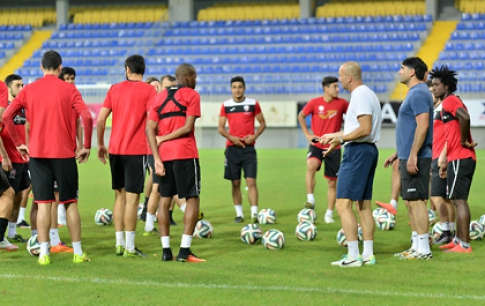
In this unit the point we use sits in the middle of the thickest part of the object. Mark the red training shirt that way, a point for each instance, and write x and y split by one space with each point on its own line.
240 117
3 95
439 136
10 147
51 106
453 131
183 147
327 117
129 102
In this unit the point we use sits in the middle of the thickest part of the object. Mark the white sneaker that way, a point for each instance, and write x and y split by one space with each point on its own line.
345 262
329 219
309 204
5 245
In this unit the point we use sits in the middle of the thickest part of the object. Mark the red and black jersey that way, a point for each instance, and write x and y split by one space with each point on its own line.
240 117
439 136
170 109
51 106
19 120
453 131
327 117
3 95
129 103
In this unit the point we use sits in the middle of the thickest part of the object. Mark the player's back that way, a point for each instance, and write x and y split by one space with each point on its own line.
129 101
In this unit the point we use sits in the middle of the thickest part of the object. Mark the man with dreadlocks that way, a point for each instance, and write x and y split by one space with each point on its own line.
458 159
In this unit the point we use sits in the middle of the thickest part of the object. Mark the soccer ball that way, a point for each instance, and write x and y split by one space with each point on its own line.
436 231
267 216
103 216
476 230
307 214
385 221
378 211
431 217
203 229
342 240
139 210
33 246
482 220
251 233
306 231
273 239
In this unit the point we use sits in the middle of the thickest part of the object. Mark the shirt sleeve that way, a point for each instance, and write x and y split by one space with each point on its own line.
86 117
151 96
420 103
308 108
3 95
193 107
257 108
345 106
107 100
363 104
14 108
222 113
451 105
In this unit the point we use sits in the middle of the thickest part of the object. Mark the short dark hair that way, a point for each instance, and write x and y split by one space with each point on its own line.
446 76
329 80
418 65
51 60
169 77
12 77
136 63
67 70
151 79
238 78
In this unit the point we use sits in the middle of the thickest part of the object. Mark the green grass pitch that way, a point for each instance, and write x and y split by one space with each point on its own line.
238 274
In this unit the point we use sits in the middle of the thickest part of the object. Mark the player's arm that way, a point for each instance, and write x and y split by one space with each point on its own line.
464 119
187 128
221 128
6 162
422 125
79 135
101 126
364 129
151 132
390 160
301 120
27 133
87 121
250 139
8 116
442 161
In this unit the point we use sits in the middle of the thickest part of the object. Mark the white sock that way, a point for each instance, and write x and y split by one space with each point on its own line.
54 236
452 226
12 229
368 249
254 211
149 222
239 210
130 241
165 241
186 241
310 198
329 213
44 249
182 207
353 249
120 239
445 226
78 250
414 236
21 214
423 244
61 215
393 203
33 233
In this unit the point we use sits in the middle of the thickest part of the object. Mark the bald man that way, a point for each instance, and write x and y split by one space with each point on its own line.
173 113
362 130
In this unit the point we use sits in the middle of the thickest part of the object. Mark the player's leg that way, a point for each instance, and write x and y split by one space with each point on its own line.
7 195
21 222
148 187
232 172
313 162
450 206
12 235
33 218
153 201
332 166
118 185
395 190
413 224
166 189
57 246
364 208
250 167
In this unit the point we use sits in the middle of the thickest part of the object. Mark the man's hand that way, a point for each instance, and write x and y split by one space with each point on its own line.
311 138
390 160
83 155
24 151
443 170
334 143
102 154
159 140
412 165
238 142
159 168
249 139
324 139
469 145
6 164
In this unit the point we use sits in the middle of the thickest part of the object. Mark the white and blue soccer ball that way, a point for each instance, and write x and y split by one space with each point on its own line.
378 211
103 216
203 229
267 216
33 246
342 240
385 221
481 220
273 240
436 231
139 210
477 230
306 231
431 217
307 214
251 233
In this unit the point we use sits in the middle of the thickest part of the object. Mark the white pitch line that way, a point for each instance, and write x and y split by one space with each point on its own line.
97 280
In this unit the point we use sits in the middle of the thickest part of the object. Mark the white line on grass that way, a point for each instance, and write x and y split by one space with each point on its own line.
97 280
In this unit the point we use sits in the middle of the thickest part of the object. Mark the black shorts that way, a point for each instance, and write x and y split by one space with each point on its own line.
4 184
331 161
459 175
415 187
438 185
19 177
44 171
181 177
237 158
151 165
128 171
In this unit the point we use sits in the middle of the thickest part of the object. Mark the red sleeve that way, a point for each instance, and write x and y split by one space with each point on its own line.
257 108
308 108
193 107
15 107
451 105
151 96
107 100
152 113
222 113
3 95
87 120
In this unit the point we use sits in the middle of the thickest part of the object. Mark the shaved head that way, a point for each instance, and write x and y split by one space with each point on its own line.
350 75
186 75
353 69
184 69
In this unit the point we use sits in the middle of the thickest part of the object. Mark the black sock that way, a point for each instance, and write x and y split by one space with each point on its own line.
3 227
167 250
170 212
145 205
184 252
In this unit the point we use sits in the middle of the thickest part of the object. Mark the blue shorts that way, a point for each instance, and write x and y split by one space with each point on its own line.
356 175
